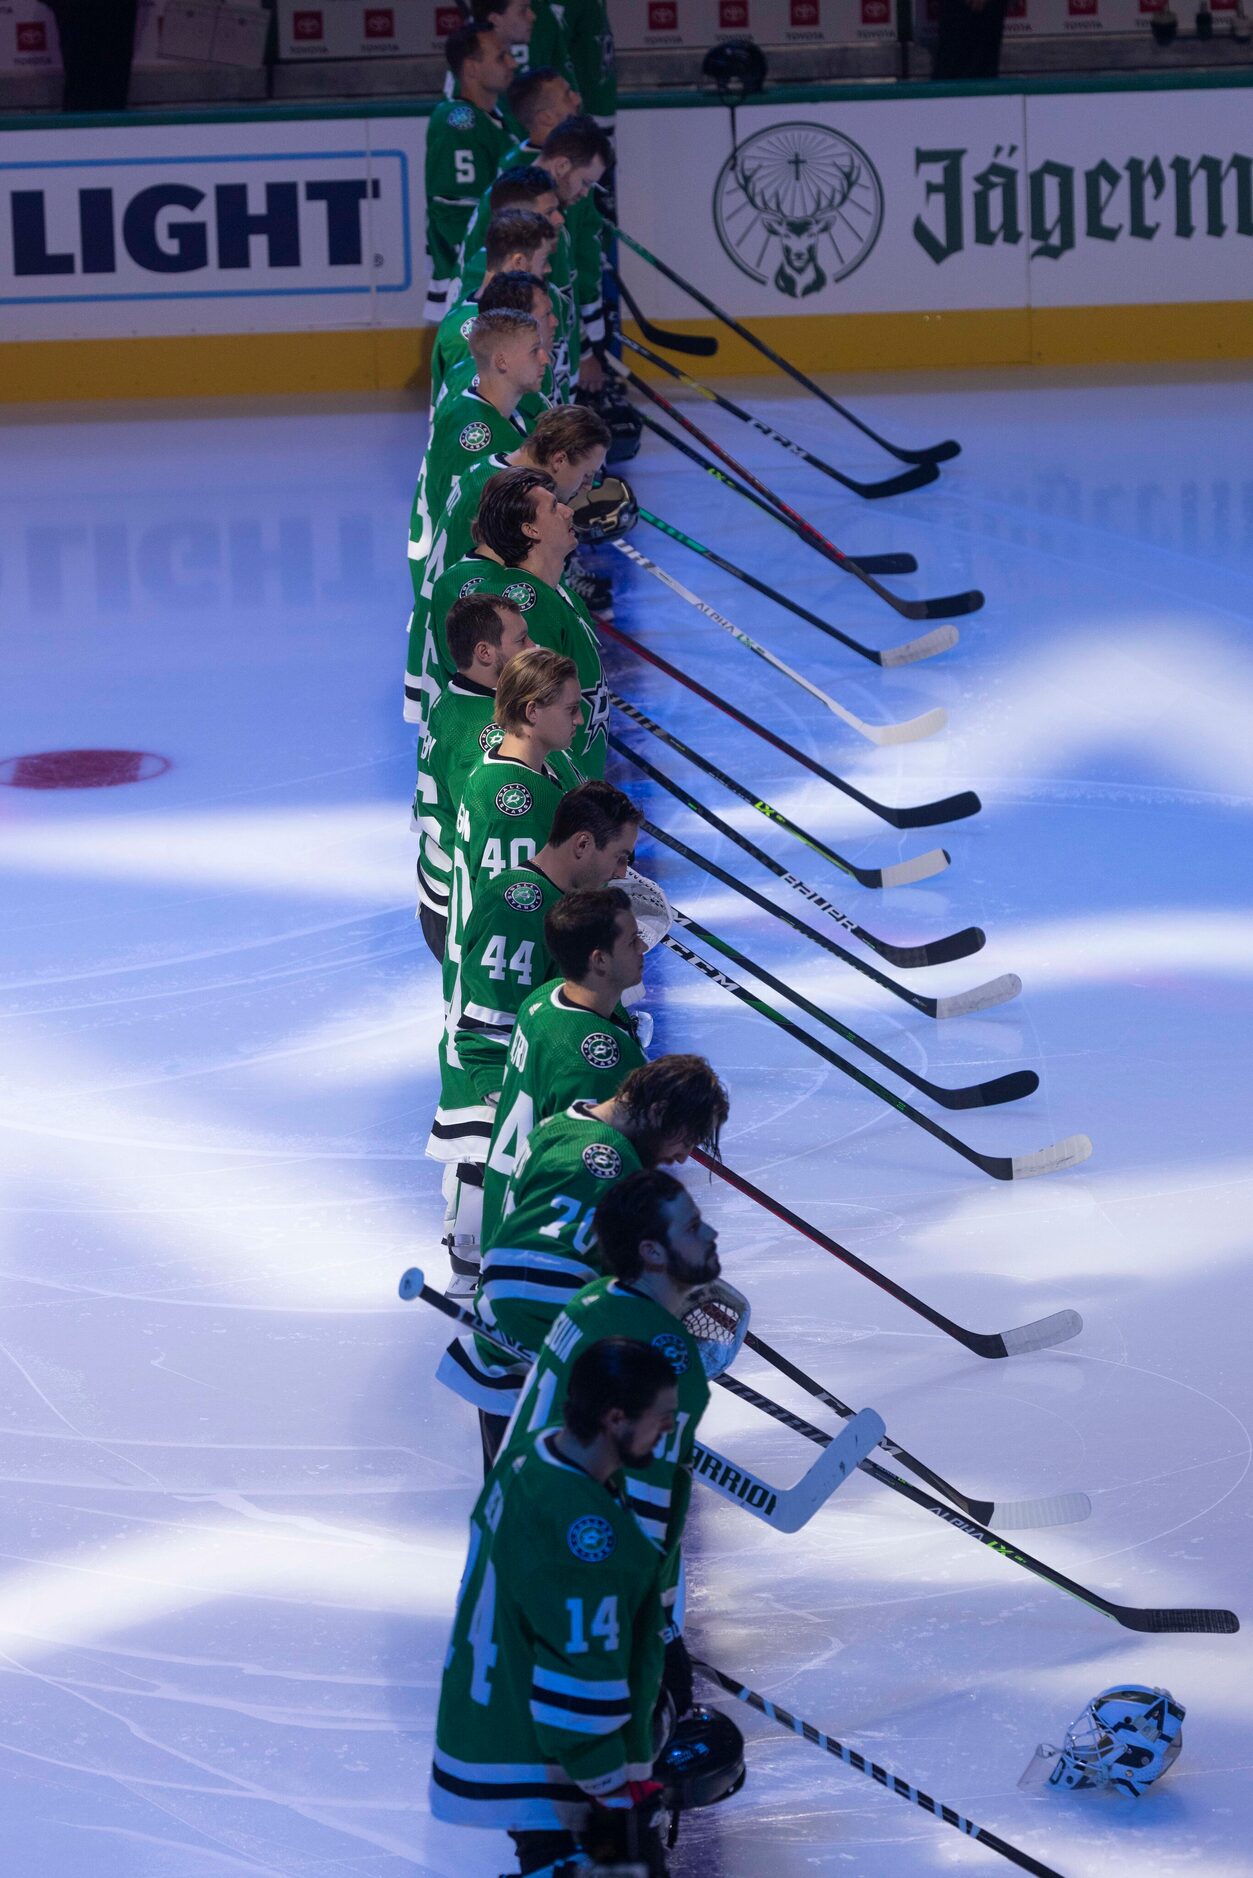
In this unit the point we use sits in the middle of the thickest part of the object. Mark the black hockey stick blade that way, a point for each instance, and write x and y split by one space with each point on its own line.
986 1095
957 945
949 606
696 345
887 563
1185 1622
928 814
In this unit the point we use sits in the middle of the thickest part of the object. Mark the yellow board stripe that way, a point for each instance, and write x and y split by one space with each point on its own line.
261 364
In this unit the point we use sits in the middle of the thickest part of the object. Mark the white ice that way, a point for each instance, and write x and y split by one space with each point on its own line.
234 1501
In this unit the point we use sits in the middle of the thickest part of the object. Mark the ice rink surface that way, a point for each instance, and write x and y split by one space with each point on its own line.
235 1500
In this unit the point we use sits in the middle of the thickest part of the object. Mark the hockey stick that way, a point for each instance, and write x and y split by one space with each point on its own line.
980 998
1067 1153
1009 1088
957 945
908 654
899 485
1055 1509
1042 1334
906 732
945 607
869 563
922 815
787 1509
696 345
892 1782
1130 1616
898 874
937 453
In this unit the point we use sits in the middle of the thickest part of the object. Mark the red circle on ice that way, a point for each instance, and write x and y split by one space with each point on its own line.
81 769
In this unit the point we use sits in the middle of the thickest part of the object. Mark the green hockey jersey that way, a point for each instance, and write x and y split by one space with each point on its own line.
554 1665
660 1492
560 1052
464 147
590 39
459 733
543 1250
503 959
558 619
466 428
432 550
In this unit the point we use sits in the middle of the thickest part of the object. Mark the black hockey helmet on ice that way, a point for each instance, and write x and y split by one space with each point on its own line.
607 511
703 1761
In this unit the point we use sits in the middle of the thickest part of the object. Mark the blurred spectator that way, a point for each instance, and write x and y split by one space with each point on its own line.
97 44
969 43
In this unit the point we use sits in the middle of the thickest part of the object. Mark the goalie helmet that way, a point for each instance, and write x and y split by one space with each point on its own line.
703 1762
605 512
1125 1738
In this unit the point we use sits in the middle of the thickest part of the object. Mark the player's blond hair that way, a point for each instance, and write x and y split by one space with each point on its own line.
495 329
536 677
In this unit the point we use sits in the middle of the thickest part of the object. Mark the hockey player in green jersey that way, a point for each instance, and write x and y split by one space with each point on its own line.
572 1039
519 247
503 958
533 190
484 635
544 1249
553 1671
575 156
539 98
525 534
510 361
590 38
534 31
465 141
568 447
656 1251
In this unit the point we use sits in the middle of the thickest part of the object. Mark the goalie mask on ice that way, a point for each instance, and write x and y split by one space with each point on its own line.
1125 1738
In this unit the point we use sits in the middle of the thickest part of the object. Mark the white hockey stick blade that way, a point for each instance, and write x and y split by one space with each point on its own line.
908 731
904 873
925 648
787 1509
1057 1509
1044 1334
1067 1153
981 998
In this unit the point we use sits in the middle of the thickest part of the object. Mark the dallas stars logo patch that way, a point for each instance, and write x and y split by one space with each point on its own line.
466 325
521 594
461 117
600 1050
674 1350
591 1539
490 738
514 799
601 1161
471 586
524 897
475 436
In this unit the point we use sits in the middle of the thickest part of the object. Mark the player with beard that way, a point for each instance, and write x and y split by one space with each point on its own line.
552 1675
544 1250
657 1251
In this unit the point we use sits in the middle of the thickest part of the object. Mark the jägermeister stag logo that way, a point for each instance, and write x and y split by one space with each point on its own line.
799 205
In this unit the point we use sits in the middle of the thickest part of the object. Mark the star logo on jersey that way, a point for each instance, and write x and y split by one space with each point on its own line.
521 594
595 712
475 436
601 1161
600 1050
524 897
472 586
591 1539
490 738
466 325
514 799
674 1350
